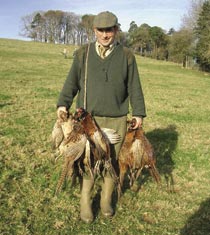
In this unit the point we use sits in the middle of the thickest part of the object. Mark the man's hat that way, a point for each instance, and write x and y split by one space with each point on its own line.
105 19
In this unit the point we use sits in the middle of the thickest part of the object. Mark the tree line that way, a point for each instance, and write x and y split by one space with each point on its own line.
57 27
190 45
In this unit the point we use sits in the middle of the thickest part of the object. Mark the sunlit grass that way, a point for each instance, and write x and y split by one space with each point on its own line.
177 124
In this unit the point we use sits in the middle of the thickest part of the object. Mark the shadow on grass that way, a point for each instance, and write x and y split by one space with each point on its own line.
164 142
199 222
5 104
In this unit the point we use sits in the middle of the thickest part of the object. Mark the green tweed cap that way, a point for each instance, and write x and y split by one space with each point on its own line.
105 19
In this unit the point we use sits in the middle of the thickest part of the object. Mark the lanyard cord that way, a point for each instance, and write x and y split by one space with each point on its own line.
85 83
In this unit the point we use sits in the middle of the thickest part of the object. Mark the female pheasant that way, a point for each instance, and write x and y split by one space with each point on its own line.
136 153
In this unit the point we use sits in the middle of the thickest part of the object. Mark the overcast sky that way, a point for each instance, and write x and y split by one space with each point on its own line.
163 13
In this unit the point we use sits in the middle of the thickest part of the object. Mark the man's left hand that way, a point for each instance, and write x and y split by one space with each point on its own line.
139 122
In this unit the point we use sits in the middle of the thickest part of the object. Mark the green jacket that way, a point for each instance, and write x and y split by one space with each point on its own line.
111 83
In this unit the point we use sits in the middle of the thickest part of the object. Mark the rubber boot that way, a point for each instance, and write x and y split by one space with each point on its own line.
106 197
86 213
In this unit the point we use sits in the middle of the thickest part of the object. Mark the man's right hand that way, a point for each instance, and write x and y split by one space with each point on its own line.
62 113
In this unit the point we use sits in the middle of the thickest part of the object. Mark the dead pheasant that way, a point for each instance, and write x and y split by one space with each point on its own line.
73 147
70 139
99 143
57 132
61 129
136 153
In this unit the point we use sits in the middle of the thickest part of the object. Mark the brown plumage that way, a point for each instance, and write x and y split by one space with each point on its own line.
57 132
72 149
99 143
61 129
136 153
71 141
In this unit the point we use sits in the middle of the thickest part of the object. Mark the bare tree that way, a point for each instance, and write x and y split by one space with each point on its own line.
27 30
87 24
54 27
71 23
53 21
189 20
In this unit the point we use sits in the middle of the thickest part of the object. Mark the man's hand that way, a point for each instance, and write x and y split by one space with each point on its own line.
62 113
139 122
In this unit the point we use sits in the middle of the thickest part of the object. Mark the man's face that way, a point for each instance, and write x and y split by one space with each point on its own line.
105 36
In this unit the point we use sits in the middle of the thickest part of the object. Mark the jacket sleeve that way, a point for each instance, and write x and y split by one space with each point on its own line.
135 89
71 85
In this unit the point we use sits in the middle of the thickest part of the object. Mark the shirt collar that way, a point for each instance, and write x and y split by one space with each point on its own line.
111 47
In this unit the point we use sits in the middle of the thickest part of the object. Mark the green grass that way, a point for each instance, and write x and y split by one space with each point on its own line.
178 125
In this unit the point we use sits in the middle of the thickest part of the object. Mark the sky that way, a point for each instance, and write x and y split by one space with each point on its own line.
163 13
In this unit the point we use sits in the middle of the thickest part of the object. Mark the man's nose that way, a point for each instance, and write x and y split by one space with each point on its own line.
104 33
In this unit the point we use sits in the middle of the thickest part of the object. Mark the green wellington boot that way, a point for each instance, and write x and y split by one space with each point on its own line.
86 213
106 197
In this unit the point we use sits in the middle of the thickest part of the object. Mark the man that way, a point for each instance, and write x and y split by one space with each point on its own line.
105 78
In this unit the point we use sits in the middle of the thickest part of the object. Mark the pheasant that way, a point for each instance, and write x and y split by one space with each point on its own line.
99 143
61 129
70 138
73 147
136 153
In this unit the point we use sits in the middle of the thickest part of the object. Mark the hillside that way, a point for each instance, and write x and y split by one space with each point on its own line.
177 124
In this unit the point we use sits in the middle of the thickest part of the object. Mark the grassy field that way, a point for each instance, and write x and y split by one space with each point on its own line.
178 125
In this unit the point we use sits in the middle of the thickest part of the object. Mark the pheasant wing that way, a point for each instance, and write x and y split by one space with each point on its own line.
57 135
74 150
100 142
112 136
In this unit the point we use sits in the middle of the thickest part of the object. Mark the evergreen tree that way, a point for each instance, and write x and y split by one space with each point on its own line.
180 47
203 37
